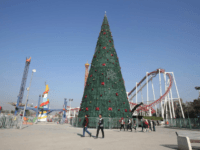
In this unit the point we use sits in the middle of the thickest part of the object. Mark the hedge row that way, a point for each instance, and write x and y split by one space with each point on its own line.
153 117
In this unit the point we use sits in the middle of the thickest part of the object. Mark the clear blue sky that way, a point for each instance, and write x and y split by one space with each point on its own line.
61 36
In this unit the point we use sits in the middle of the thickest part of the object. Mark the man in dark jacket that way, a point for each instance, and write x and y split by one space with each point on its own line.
149 122
154 129
85 124
100 126
129 126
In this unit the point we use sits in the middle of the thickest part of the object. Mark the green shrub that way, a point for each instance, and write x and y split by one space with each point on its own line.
152 117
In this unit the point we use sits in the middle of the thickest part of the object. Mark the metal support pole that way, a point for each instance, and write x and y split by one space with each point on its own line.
174 116
148 93
165 103
154 94
37 110
136 93
171 111
16 110
178 96
26 100
64 111
161 107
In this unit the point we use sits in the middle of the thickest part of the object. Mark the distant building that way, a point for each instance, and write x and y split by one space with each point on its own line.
72 112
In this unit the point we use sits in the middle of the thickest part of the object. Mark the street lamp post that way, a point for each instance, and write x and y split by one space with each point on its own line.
70 107
28 89
198 88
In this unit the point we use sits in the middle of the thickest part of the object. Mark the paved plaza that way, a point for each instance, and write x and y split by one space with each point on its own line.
60 137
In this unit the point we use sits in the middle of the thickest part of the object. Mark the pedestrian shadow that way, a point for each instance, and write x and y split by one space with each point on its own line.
85 136
176 147
171 146
79 134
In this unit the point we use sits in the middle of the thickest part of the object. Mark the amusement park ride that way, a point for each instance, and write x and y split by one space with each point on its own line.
164 99
42 110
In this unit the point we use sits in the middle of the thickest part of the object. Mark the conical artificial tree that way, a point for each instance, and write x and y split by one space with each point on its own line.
105 91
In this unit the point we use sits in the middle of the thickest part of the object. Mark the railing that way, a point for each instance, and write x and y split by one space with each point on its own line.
190 123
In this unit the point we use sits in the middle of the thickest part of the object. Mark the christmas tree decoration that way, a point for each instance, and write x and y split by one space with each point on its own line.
108 92
110 108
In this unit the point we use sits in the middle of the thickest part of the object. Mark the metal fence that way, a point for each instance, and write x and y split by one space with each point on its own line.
7 122
190 123
11 121
109 123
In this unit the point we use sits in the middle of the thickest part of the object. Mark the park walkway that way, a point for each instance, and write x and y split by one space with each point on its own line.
65 137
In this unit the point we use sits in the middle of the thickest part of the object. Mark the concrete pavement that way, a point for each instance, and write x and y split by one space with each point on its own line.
60 137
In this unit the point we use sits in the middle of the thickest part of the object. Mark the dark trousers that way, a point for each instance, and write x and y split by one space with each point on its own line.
129 127
154 129
143 127
150 128
85 130
101 131
122 126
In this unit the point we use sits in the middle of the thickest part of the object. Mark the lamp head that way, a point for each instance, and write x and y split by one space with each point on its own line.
34 70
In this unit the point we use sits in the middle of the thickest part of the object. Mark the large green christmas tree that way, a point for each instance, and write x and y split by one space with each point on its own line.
105 91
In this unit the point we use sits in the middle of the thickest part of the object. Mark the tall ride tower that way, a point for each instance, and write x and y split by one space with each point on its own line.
86 72
24 78
23 83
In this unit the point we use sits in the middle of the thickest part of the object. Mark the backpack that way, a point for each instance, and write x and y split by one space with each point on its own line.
146 123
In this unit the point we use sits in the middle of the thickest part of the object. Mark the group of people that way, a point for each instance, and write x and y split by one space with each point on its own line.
129 124
100 126
148 125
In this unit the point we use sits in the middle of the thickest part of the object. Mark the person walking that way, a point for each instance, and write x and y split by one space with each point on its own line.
100 126
142 124
153 123
146 124
134 125
85 125
158 122
122 124
149 122
129 124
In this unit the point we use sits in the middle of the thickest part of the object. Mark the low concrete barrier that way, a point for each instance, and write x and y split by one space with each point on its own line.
184 143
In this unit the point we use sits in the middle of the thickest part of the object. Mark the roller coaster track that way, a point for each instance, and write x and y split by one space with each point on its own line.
152 74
